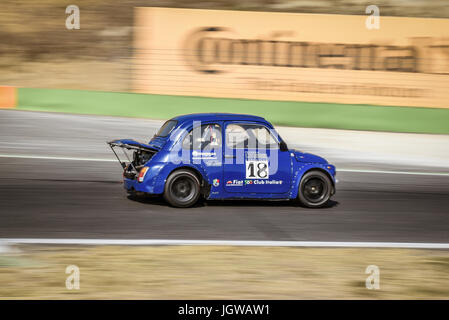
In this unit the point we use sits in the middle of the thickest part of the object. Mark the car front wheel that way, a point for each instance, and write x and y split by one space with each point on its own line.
315 189
182 189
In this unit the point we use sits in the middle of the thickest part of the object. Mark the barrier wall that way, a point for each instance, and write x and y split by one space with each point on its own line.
293 57
8 97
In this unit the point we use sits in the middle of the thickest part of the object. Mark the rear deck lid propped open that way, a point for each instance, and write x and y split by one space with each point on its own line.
141 154
132 144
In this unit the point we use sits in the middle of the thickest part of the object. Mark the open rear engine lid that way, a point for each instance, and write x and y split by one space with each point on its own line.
131 144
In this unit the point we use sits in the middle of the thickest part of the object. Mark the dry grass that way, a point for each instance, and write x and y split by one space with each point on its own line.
110 272
82 74
38 51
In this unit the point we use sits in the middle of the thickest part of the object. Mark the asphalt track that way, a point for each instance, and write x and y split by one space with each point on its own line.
67 197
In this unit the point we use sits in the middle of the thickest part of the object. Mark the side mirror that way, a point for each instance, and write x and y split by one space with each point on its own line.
283 146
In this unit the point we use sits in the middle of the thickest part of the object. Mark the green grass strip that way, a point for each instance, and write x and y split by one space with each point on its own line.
287 113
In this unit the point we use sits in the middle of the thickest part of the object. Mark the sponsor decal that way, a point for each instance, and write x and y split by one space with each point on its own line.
253 182
216 182
212 163
267 182
255 156
237 57
234 183
231 49
204 155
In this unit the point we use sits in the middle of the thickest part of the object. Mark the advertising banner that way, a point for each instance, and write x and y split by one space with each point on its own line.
295 57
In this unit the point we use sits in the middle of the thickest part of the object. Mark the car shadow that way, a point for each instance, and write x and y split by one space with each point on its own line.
264 203
159 201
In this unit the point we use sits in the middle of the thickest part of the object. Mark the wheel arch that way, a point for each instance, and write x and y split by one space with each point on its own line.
198 172
308 168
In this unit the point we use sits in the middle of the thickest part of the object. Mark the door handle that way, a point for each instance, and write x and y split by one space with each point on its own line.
229 156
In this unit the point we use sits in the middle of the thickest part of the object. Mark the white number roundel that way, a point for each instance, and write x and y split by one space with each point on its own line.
257 169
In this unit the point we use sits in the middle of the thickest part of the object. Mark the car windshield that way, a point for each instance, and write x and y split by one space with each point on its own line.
166 128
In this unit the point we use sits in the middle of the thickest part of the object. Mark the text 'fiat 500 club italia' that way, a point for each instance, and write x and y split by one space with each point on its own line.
223 156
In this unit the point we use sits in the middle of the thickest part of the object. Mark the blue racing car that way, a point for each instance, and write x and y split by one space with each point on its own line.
223 156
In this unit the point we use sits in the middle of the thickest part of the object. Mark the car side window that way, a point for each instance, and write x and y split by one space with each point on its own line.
239 136
208 136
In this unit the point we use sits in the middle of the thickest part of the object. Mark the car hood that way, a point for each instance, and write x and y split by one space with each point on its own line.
308 157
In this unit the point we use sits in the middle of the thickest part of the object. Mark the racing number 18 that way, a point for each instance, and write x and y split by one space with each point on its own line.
257 169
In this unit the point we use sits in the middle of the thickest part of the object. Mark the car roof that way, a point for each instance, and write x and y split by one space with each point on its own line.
217 117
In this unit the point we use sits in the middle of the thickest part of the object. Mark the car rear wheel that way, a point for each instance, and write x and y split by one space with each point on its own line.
182 189
315 189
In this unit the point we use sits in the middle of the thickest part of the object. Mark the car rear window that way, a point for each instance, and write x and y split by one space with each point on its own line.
166 128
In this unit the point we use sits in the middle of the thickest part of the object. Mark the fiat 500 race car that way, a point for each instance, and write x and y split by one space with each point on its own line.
223 156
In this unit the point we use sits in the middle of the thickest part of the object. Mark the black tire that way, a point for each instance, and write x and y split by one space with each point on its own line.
182 189
315 189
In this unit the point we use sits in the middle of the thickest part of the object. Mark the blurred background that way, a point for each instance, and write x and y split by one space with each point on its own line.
38 51
372 101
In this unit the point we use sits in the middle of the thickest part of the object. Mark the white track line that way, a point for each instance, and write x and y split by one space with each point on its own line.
395 172
162 242
444 174
55 158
